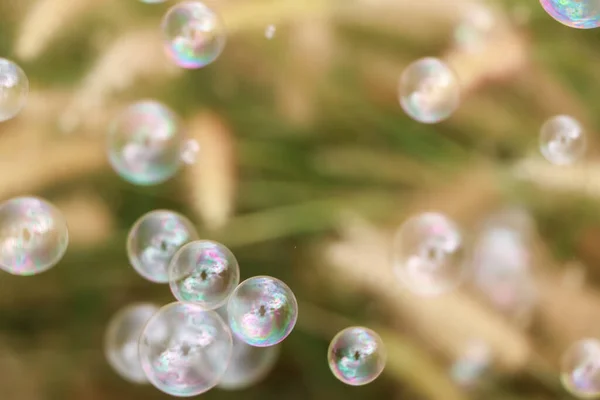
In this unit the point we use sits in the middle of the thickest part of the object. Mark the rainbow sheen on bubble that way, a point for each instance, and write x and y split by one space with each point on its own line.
562 140
33 236
248 365
205 273
262 311
428 255
14 89
121 340
194 34
184 350
580 369
580 14
154 239
356 356
429 91
144 143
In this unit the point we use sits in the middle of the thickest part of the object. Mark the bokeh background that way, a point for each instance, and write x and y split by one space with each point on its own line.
307 165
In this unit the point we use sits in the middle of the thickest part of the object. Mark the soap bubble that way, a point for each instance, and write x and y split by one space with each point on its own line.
580 369
356 356
248 365
429 90
472 363
144 143
581 14
189 151
194 34
270 31
476 28
14 88
154 239
562 140
262 311
428 254
184 350
33 236
204 273
121 340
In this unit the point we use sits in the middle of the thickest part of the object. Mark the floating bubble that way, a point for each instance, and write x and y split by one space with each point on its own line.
189 151
581 14
356 356
562 140
270 31
194 34
184 350
472 363
580 369
428 254
144 143
14 88
121 340
475 29
33 236
154 239
429 90
204 273
248 365
262 311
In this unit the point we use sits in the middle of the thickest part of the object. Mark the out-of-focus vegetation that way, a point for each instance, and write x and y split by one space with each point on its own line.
307 163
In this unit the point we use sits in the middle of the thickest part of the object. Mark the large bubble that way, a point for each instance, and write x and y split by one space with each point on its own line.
581 14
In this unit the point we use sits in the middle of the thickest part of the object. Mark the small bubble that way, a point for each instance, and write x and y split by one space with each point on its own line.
356 356
429 90
189 151
14 88
194 34
204 273
154 239
33 236
262 311
270 31
580 368
428 254
562 140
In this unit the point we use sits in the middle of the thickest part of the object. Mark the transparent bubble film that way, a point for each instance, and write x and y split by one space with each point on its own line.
562 140
249 364
154 239
429 90
194 35
262 311
205 273
144 143
184 350
33 236
14 89
428 254
580 369
581 14
471 365
356 356
122 337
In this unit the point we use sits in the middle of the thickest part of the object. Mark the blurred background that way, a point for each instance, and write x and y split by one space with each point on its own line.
307 165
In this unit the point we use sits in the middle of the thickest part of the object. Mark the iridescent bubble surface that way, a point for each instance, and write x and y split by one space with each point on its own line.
189 151
476 28
356 356
33 236
562 140
428 254
14 88
144 143
121 340
204 273
184 350
154 239
248 365
429 91
581 14
469 368
580 369
262 311
270 31
194 35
